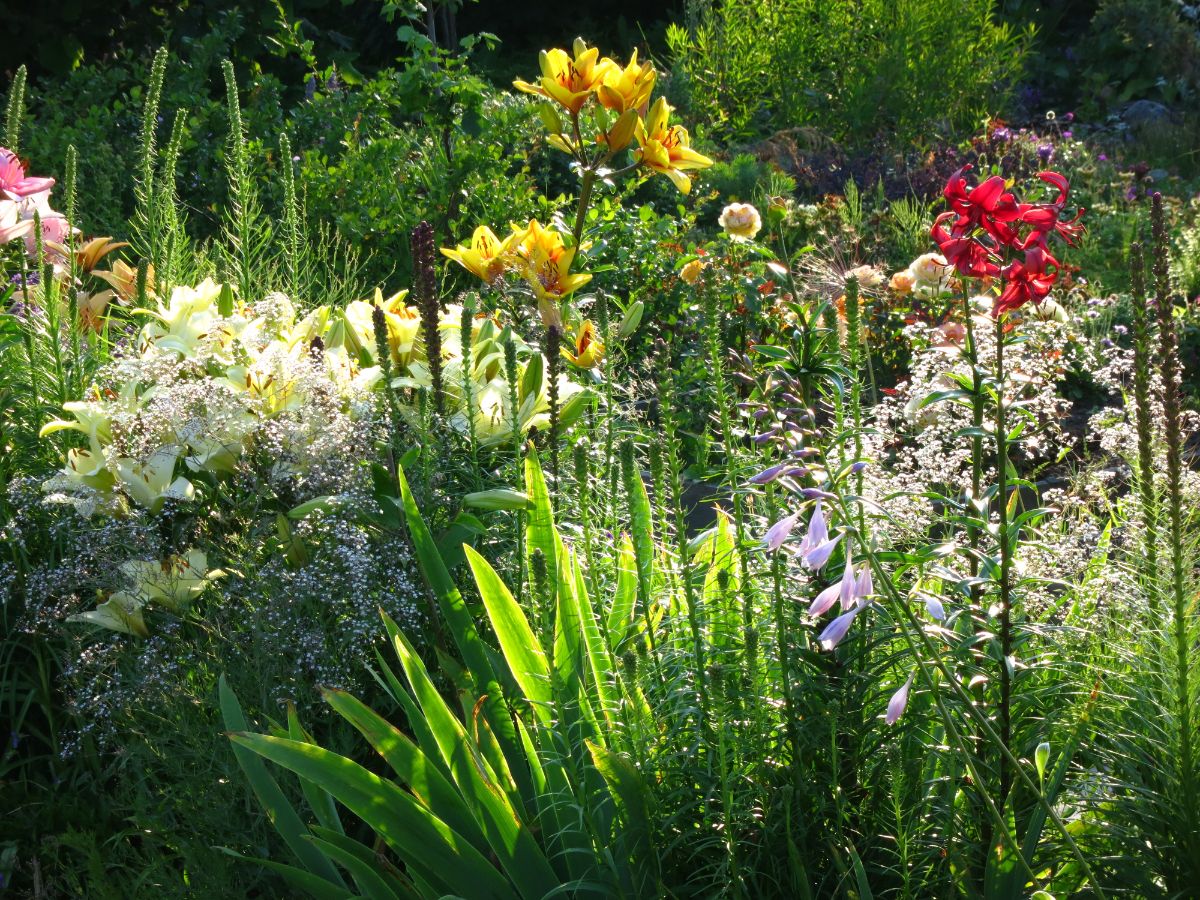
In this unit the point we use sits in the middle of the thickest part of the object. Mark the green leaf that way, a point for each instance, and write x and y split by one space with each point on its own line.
320 802
633 799
540 527
363 867
416 771
314 885
520 645
421 840
488 793
280 812
620 614
461 625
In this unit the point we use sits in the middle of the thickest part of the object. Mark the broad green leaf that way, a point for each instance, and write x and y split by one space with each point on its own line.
362 864
462 628
411 766
421 840
481 788
633 799
280 812
314 885
620 614
600 660
320 802
540 527
521 648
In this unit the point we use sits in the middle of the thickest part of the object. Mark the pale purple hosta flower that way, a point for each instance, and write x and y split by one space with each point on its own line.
766 476
843 590
818 531
816 547
857 467
865 586
817 494
934 607
837 629
780 531
899 701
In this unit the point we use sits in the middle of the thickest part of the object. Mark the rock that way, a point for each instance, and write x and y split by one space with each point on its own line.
1141 113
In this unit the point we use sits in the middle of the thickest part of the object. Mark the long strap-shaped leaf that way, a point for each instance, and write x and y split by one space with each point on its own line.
425 843
521 648
281 813
466 637
414 768
508 836
360 861
540 528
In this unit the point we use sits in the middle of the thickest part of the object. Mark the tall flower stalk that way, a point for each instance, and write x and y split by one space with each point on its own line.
1147 495
1182 606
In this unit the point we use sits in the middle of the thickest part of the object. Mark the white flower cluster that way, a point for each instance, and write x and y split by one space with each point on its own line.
212 378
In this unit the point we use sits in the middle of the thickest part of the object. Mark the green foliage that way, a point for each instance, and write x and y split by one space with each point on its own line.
852 71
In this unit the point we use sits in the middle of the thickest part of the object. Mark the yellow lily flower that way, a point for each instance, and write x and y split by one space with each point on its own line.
569 80
403 326
667 149
589 349
547 266
487 257
628 88
174 582
120 612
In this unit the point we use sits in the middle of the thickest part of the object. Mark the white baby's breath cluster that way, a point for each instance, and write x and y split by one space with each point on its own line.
918 440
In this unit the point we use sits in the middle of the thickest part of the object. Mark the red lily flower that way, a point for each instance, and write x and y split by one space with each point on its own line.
987 205
1045 218
1026 280
968 255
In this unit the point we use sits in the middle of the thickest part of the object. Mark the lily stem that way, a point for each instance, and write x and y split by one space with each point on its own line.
1005 567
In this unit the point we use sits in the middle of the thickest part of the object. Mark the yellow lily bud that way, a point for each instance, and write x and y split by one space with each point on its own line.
619 136
589 349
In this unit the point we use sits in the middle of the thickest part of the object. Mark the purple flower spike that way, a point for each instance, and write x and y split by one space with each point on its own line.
824 601
816 558
899 701
837 629
865 586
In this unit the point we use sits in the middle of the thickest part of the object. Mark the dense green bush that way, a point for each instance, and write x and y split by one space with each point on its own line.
909 69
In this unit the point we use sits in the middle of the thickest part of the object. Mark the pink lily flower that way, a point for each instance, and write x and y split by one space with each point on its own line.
14 183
